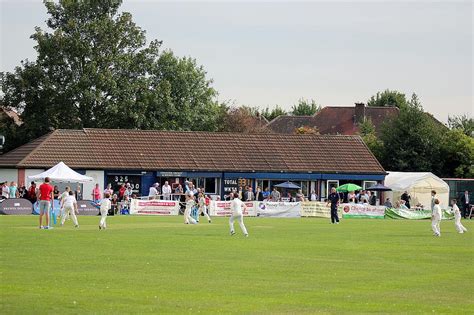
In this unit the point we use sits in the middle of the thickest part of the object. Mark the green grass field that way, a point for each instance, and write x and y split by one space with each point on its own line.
160 265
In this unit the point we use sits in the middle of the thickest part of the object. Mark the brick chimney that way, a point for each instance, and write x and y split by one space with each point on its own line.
359 115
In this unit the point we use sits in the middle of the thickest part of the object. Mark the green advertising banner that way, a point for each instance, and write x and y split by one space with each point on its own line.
391 213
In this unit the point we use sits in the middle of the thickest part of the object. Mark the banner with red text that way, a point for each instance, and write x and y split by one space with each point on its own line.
154 207
222 208
354 210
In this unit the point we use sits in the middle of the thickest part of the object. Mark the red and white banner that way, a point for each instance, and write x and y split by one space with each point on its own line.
222 209
154 207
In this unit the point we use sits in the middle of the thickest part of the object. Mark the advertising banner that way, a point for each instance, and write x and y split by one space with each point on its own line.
222 208
406 214
16 206
354 210
279 209
87 207
154 207
316 209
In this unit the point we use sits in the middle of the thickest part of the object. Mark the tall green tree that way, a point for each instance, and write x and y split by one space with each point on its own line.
369 136
458 154
305 107
412 141
94 68
388 98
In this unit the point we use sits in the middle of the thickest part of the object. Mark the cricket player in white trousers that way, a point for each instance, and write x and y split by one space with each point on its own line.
457 218
105 205
436 218
237 207
189 206
69 206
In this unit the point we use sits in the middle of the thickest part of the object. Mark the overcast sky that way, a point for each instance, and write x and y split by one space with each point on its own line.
274 52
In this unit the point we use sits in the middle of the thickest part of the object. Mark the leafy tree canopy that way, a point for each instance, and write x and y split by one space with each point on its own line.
388 98
305 108
95 69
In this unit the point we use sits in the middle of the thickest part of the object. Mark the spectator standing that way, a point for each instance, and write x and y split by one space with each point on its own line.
299 196
372 198
166 190
128 192
406 197
56 193
152 193
22 192
178 192
5 191
259 194
45 195
32 193
314 196
78 193
457 218
465 201
249 195
96 195
109 190
13 190
241 193
275 195
114 202
266 193
333 199
122 191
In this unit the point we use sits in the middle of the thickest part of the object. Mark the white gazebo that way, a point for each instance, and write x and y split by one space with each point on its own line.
63 174
419 185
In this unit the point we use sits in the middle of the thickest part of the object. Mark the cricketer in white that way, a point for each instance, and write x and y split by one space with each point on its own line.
237 207
457 218
105 205
436 218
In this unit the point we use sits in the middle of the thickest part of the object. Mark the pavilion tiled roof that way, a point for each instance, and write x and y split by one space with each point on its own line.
120 149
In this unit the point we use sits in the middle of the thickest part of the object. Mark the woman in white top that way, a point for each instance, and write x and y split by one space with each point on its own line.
69 205
237 207
436 218
457 218
351 197
314 196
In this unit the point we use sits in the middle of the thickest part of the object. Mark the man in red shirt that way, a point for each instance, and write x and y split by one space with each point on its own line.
45 195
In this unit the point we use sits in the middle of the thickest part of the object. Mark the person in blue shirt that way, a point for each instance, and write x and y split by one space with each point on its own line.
333 199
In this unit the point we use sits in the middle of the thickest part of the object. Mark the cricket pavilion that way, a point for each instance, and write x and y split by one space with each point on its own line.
218 162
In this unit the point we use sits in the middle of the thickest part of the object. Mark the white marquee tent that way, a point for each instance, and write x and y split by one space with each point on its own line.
419 185
61 173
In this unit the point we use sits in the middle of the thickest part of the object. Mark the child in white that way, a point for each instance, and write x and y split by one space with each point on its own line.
105 205
69 205
189 206
436 218
202 206
457 218
62 198
237 207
